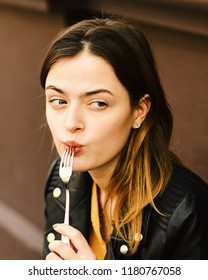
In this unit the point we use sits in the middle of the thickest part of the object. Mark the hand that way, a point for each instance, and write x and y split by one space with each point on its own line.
79 249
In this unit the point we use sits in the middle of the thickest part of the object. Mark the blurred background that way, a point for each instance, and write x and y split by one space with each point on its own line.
178 32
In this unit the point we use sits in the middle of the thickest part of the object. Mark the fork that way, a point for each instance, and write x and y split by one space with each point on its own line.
65 172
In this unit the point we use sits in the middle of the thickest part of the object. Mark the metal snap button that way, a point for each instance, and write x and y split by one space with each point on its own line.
56 192
50 237
124 249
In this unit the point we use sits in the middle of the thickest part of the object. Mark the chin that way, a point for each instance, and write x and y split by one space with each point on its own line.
79 168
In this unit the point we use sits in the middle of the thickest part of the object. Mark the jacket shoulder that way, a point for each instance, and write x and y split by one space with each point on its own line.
181 231
183 183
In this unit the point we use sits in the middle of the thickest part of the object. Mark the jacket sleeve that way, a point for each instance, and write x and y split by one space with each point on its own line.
188 230
54 205
79 186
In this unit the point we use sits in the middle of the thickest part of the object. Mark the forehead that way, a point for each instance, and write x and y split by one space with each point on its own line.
83 68
85 73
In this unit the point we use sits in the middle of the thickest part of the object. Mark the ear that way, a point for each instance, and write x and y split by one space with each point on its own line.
141 110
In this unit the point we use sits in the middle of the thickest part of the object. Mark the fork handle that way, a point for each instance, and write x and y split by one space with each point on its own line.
66 216
65 239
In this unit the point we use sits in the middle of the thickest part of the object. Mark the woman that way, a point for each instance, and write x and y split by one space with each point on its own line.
130 197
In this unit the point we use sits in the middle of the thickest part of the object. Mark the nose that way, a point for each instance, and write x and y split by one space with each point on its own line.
74 119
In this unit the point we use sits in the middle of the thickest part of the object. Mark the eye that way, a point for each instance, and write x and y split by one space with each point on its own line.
98 104
57 102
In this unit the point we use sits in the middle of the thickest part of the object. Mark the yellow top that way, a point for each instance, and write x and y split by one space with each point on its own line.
96 241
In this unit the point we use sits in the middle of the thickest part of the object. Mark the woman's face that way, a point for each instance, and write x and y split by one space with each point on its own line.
88 108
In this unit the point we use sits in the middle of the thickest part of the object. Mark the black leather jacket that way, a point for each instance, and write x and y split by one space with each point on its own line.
181 233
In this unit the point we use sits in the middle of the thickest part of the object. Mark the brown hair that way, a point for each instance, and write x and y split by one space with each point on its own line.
145 165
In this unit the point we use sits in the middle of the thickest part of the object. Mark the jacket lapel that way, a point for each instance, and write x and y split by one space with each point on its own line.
80 187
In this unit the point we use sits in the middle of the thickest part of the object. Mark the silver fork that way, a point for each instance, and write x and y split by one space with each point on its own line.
65 172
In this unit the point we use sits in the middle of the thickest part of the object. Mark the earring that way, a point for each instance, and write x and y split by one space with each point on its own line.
136 126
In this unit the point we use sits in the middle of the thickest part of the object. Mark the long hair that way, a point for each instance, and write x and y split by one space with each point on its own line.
145 166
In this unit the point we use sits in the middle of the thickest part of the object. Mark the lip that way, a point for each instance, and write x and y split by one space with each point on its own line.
74 145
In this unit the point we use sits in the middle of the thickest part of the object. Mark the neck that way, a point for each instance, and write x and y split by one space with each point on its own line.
101 178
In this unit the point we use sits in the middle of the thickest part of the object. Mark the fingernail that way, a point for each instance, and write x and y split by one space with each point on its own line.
55 225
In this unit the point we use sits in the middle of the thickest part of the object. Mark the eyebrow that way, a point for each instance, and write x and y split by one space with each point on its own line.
55 88
88 93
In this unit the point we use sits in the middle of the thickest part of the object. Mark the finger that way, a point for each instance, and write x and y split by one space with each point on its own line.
53 256
62 250
74 235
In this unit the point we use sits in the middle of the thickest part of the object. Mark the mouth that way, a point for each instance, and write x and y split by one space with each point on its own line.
74 145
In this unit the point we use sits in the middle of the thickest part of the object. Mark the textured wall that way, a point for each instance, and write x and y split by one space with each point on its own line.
26 147
182 61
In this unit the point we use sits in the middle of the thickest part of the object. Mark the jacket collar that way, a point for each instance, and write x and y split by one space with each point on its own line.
80 191
80 186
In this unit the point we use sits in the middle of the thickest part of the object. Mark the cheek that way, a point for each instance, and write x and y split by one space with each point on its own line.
118 136
113 133
54 127
53 122
48 117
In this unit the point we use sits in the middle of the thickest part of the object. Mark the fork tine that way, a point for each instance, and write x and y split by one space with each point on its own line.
61 163
66 163
63 158
68 157
72 157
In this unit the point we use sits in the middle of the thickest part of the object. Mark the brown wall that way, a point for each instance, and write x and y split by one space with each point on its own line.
182 60
26 148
